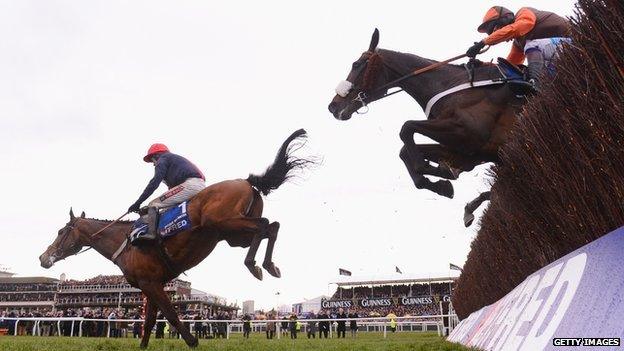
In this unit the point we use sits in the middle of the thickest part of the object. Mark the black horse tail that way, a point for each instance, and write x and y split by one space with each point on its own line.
281 169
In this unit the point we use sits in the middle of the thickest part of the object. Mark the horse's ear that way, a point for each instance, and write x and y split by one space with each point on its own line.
82 215
71 214
374 41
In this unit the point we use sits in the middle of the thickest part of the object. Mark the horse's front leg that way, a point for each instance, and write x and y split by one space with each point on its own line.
156 294
416 164
150 320
444 157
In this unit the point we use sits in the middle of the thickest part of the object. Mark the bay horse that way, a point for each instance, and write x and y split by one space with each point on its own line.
469 125
230 210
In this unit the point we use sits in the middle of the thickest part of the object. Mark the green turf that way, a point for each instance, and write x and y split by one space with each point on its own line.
257 342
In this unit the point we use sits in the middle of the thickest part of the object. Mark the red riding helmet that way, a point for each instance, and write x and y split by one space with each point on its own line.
153 150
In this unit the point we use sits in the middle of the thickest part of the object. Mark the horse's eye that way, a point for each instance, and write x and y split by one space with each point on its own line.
356 64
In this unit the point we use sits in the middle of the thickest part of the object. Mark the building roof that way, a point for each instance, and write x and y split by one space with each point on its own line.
314 300
395 281
28 280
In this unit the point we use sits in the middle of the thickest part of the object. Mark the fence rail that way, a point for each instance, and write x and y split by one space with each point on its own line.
378 324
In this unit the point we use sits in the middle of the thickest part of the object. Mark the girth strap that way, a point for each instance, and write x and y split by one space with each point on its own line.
457 88
119 250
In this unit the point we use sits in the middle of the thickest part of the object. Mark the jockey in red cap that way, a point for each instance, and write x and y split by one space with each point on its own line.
182 177
535 36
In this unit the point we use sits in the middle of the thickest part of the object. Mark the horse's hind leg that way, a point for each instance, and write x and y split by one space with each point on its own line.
441 155
257 228
268 256
450 163
150 319
473 205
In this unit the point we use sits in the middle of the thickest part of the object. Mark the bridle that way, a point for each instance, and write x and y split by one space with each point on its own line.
58 251
366 69
68 228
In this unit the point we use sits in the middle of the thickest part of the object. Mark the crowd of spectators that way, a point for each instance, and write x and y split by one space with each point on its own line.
360 292
27 297
99 280
105 298
114 280
399 311
5 287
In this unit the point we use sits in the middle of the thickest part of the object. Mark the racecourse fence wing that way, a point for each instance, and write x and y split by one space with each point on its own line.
560 182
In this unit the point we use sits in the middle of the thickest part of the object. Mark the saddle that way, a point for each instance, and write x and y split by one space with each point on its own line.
515 77
171 222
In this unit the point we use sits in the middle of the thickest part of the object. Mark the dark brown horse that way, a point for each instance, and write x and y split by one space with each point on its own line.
470 125
230 210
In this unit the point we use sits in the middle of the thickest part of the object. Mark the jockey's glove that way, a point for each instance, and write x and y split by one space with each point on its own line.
134 207
473 51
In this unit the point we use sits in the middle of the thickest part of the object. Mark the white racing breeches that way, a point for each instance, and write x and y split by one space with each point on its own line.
547 47
179 193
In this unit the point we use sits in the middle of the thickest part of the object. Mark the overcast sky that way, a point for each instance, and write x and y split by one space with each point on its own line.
87 86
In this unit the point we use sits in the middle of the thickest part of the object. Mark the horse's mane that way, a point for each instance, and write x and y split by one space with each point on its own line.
125 221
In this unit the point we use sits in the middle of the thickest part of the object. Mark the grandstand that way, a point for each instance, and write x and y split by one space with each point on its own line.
41 295
27 294
403 297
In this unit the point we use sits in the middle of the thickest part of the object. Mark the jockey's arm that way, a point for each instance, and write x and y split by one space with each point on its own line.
524 23
159 174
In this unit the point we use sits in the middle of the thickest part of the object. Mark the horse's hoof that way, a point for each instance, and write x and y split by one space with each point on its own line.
451 173
143 346
468 219
256 272
272 269
194 343
444 188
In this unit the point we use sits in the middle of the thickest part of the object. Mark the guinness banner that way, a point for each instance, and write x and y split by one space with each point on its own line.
379 302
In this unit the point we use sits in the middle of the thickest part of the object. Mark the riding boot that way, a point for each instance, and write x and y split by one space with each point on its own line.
152 224
535 68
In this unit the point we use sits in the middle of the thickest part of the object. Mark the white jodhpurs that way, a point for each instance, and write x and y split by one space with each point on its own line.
548 49
179 194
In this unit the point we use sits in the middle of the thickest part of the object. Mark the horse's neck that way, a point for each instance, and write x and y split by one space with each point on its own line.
107 241
423 86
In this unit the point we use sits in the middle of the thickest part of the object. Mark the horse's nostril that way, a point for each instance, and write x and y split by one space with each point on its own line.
332 107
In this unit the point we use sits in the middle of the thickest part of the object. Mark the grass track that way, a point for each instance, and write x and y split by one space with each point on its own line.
257 342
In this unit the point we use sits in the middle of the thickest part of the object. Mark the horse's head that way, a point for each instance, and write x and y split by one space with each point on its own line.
362 85
67 243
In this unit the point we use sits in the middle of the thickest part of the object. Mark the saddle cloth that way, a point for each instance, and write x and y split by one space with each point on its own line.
509 70
170 223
